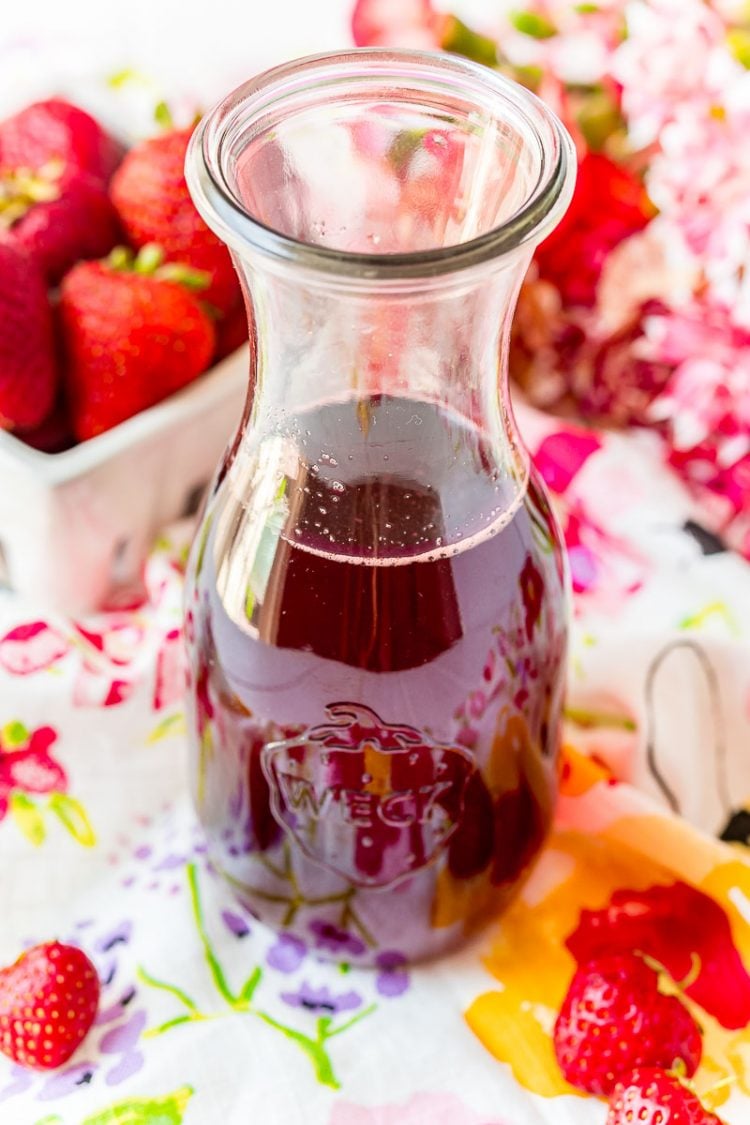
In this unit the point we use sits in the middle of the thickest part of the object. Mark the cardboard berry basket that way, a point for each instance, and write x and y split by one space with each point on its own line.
75 527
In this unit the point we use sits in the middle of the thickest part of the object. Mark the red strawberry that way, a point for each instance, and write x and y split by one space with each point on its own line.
58 215
154 204
48 1001
614 1019
54 435
231 332
57 130
28 373
652 1096
131 338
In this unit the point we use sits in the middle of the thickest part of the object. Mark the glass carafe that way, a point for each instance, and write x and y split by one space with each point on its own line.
375 604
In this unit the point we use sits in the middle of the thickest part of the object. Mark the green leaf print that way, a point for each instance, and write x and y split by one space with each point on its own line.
243 1003
168 1110
173 724
73 817
13 735
27 818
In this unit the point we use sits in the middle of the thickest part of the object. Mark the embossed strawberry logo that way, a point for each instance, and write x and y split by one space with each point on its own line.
372 801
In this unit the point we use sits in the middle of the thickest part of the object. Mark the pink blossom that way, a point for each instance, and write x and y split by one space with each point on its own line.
708 397
701 179
674 56
706 406
396 23
580 49
438 1109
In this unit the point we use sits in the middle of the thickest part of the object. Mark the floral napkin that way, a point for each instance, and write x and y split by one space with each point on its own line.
208 1017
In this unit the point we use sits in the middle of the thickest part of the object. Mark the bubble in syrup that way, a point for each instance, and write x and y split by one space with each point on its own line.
337 486
366 841
323 511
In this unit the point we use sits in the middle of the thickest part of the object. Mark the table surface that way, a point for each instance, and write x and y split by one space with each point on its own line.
98 844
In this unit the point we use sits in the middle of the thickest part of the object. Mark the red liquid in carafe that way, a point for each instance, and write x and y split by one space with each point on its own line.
377 638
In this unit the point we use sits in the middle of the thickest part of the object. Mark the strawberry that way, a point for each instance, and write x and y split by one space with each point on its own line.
154 204
131 335
58 215
28 371
56 130
48 1001
54 434
652 1096
614 1018
231 332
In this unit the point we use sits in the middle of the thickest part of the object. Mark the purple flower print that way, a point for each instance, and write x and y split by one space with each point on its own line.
20 1081
235 923
124 1036
114 1011
328 936
66 1081
321 999
128 1065
287 953
119 935
392 978
170 862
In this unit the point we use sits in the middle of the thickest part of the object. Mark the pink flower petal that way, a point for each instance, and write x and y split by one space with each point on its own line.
31 647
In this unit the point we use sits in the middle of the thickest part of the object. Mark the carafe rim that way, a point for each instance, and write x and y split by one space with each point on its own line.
225 214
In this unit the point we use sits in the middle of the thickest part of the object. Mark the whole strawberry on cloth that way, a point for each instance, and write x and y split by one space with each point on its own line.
154 205
55 130
133 333
28 369
48 1001
652 1096
614 1019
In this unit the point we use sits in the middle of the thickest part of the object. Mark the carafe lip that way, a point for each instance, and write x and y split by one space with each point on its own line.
225 214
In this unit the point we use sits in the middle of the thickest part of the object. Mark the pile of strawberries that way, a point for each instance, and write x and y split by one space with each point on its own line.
619 1035
113 291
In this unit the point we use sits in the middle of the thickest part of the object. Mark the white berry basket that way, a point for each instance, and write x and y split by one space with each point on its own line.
76 527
